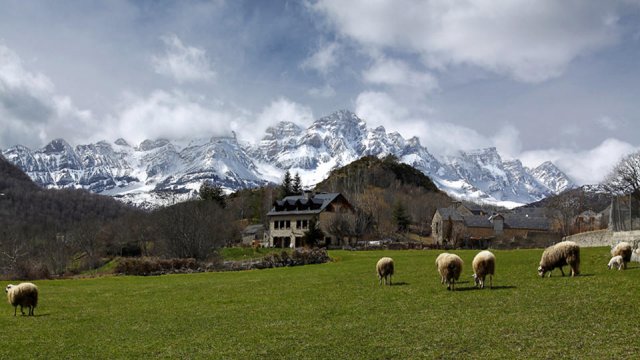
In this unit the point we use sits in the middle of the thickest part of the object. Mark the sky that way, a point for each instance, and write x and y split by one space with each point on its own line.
539 80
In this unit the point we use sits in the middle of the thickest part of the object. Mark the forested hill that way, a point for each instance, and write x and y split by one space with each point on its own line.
371 171
26 210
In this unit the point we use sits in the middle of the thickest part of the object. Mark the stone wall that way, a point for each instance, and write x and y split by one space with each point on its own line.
605 238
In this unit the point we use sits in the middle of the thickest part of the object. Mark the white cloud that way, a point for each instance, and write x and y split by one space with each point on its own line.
171 115
324 59
609 123
326 91
528 41
182 63
281 109
589 166
381 108
398 73
31 112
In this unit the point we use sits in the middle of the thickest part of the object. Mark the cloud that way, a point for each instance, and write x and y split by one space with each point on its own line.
281 109
530 42
609 123
172 115
324 59
182 63
398 73
381 108
589 166
327 91
31 111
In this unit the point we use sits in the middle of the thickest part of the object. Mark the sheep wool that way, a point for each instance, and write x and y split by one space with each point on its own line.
623 249
616 262
23 295
559 255
384 269
484 263
450 268
438 259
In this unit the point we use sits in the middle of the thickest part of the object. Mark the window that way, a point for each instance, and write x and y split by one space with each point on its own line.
305 224
276 225
298 224
287 224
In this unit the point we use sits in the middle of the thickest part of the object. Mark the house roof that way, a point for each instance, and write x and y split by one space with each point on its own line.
511 221
253 229
448 212
302 204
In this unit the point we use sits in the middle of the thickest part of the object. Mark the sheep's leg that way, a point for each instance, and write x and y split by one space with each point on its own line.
15 310
389 280
491 281
562 271
21 310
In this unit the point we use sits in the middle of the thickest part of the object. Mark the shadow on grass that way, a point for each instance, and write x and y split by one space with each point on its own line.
470 288
400 283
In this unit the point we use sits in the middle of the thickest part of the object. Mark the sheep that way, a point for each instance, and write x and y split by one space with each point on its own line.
616 261
623 249
384 269
25 295
559 255
484 264
449 267
437 266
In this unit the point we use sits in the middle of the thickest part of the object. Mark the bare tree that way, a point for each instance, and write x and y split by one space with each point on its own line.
624 179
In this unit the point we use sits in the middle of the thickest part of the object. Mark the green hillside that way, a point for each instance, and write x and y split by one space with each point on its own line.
337 311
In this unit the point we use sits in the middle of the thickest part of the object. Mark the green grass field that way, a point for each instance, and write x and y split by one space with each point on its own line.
337 311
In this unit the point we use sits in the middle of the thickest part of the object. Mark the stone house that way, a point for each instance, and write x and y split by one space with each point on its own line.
290 217
464 227
254 235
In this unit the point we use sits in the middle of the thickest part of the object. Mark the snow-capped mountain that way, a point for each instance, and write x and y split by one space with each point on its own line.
156 170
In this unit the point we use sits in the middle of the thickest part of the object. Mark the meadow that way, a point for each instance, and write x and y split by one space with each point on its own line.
337 311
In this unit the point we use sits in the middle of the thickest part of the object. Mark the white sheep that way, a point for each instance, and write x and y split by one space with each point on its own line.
24 295
384 269
623 249
616 261
484 264
559 255
437 266
449 267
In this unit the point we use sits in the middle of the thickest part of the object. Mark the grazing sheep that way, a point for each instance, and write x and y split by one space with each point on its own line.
449 267
616 261
25 295
484 264
437 266
623 249
384 269
559 255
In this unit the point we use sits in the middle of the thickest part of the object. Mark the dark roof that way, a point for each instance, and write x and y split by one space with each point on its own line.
302 204
253 229
448 212
511 221
515 221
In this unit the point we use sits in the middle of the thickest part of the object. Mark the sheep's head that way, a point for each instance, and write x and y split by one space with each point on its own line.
8 287
476 279
541 271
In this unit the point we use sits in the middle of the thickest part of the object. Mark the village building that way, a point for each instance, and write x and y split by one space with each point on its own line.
290 218
462 226
255 235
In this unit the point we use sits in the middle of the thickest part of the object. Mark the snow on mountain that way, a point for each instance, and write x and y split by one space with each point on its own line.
162 171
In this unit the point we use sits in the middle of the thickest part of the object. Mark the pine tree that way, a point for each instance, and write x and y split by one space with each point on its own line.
287 186
296 187
314 234
402 219
212 192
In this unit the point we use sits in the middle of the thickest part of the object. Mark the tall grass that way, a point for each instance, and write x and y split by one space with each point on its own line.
337 310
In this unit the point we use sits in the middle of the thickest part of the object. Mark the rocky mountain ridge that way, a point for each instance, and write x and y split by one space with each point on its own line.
162 171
